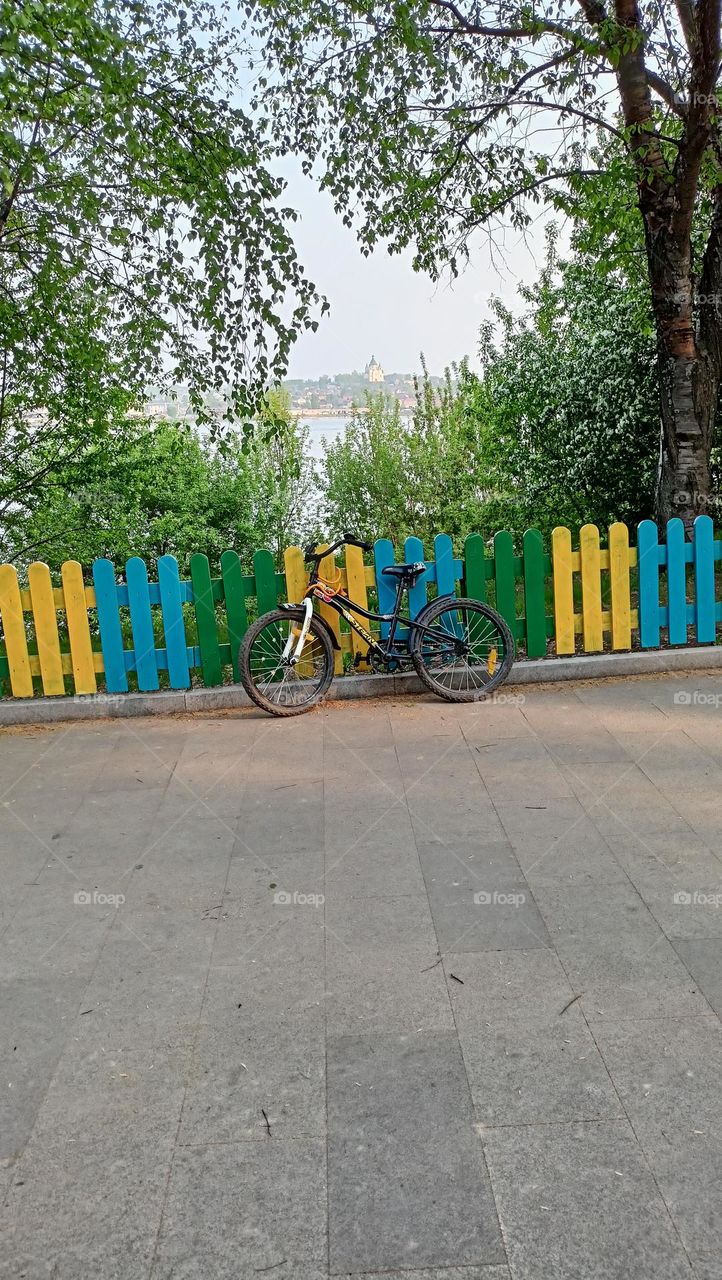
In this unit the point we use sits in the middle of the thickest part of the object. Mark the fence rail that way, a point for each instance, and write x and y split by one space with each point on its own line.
131 631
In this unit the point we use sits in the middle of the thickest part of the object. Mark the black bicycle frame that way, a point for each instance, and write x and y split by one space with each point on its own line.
387 650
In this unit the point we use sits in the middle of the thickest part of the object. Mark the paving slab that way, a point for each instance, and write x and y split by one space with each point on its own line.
407 1183
702 959
245 1208
86 1201
529 1054
579 1200
615 954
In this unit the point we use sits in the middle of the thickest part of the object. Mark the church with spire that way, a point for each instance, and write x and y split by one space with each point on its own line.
373 371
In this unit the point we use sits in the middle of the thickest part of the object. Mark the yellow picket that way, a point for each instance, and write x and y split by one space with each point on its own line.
356 586
329 571
296 575
563 590
76 611
619 586
16 644
46 629
590 561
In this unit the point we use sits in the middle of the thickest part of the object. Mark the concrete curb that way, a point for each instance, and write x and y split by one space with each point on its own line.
170 702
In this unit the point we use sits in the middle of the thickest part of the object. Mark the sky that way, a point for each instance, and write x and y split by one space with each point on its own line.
381 307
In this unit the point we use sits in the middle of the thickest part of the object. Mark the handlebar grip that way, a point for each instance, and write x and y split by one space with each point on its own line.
353 541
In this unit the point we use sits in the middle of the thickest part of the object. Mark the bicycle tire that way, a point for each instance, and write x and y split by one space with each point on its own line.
443 687
246 660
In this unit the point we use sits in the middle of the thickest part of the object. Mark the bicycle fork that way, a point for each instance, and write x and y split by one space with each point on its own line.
291 653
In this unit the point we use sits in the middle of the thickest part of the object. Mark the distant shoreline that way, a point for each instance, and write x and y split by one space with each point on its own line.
334 413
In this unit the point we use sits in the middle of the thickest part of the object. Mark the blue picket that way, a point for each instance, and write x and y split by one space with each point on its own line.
141 622
176 655
676 582
448 569
111 635
704 603
648 561
414 550
385 588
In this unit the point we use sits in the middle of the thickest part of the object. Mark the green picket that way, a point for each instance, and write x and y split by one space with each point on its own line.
266 586
534 603
475 567
206 620
505 570
235 597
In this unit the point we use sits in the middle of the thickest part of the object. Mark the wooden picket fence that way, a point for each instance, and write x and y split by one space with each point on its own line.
557 602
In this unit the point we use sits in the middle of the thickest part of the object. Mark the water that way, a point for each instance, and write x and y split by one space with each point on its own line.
320 429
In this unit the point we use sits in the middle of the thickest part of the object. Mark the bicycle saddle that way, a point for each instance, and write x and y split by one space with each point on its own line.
408 572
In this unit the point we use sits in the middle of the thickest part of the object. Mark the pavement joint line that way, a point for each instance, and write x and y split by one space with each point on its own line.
686 661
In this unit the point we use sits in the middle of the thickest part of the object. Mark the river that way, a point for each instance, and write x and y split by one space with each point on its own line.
320 429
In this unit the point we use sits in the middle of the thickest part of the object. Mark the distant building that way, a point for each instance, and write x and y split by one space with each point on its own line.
373 371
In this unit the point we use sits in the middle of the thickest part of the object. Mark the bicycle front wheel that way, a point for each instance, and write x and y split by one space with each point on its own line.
276 684
465 650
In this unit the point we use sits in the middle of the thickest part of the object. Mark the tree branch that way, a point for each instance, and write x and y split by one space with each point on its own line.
698 127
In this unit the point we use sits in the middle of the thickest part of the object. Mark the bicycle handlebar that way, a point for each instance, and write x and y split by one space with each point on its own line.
346 539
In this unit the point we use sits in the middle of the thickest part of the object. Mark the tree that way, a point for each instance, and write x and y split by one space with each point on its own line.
430 119
142 237
568 395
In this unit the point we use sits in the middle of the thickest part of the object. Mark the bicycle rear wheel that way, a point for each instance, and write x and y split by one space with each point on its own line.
272 681
467 654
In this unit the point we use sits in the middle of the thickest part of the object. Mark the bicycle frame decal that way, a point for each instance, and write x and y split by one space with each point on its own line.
365 635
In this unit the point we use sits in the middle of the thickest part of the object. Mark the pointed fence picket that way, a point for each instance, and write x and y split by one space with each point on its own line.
111 625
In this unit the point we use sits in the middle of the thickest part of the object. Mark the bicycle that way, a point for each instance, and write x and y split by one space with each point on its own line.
461 649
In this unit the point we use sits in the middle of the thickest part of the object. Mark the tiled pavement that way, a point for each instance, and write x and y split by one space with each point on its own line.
398 989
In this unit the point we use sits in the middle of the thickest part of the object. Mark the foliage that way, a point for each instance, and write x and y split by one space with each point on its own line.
154 488
428 119
142 237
